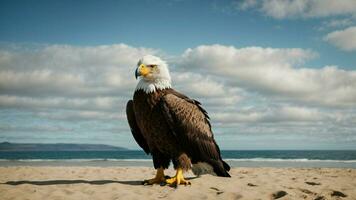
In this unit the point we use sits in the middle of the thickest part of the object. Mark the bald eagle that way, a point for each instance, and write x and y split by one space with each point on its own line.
171 126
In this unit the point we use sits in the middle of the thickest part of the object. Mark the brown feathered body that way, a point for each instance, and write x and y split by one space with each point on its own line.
172 127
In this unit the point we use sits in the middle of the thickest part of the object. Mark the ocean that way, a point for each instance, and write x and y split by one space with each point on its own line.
236 158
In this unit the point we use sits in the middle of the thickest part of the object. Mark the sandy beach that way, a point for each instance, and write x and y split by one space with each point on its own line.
125 183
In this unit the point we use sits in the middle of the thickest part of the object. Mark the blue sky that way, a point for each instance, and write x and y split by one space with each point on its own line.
272 74
172 26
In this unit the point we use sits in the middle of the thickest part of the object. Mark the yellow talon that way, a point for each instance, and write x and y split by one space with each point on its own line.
178 179
158 179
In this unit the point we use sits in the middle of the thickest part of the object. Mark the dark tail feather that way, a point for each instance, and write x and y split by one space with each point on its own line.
226 166
220 168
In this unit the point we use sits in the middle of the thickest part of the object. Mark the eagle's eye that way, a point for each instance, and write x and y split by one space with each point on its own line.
152 66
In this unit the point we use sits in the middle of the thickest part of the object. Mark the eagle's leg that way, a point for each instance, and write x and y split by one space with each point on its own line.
158 179
178 179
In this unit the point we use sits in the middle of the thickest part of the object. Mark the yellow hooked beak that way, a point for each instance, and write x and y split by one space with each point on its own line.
142 70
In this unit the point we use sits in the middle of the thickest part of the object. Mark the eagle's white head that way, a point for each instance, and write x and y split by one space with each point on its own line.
153 73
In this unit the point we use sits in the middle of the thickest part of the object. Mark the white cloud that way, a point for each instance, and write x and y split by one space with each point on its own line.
71 77
293 113
275 72
201 86
74 116
332 24
35 129
279 114
63 70
343 39
244 5
215 74
281 9
64 82
41 82
70 83
86 88
64 103
335 23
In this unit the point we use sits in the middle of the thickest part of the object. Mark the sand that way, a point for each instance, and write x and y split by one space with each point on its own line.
111 183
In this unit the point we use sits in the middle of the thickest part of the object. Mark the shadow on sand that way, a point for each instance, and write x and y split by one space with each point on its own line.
64 182
61 182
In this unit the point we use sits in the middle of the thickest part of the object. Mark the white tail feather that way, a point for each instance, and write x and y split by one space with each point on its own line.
201 168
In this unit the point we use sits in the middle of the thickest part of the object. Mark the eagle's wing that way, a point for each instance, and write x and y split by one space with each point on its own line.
130 114
189 122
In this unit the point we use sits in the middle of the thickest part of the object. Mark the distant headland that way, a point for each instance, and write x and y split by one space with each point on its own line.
7 146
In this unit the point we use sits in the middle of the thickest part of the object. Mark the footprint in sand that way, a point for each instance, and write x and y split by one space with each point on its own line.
320 198
312 183
278 194
251 185
306 191
218 191
337 194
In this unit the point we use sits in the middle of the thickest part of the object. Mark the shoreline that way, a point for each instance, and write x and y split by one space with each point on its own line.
148 163
26 182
